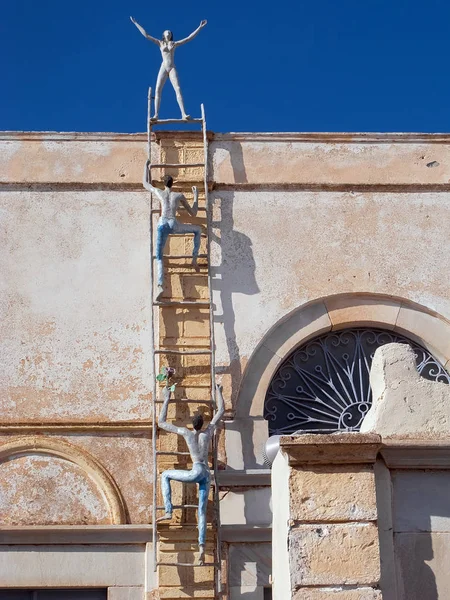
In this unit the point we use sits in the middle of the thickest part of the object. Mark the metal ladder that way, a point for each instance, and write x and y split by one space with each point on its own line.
156 350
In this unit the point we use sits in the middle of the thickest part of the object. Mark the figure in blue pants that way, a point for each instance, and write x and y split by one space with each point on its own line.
198 443
168 223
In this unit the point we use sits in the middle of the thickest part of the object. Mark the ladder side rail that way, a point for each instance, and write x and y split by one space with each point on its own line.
155 351
216 499
152 350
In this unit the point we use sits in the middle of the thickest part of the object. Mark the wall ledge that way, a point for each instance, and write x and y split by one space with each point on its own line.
245 478
334 448
76 534
416 454
245 533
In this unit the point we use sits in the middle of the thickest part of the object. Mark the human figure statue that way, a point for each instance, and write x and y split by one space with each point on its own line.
168 69
168 223
198 443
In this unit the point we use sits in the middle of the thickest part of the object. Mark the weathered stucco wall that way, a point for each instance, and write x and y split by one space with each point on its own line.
300 217
74 338
330 159
297 217
74 335
281 249
72 158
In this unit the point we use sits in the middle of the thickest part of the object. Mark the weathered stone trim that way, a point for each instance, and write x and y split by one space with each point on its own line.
415 455
331 449
348 138
21 428
76 534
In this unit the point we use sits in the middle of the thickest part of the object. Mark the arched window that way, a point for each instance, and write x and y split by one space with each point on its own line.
323 386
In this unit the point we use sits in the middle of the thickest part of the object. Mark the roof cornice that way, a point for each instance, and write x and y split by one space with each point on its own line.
343 138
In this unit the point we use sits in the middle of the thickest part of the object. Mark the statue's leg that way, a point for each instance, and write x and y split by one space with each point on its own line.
176 86
203 492
162 233
174 475
197 231
162 78
166 476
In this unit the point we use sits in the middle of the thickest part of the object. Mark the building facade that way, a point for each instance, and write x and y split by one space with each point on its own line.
317 241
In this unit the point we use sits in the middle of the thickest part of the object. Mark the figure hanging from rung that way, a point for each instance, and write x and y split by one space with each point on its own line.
168 69
168 223
198 443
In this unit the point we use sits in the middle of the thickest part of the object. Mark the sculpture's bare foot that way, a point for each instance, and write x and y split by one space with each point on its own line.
159 292
155 117
201 556
165 517
186 117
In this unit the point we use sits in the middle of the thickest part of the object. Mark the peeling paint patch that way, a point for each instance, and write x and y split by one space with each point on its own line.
42 490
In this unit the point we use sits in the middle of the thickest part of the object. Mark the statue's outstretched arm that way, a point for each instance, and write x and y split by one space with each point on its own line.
146 180
144 33
192 210
163 416
220 407
193 34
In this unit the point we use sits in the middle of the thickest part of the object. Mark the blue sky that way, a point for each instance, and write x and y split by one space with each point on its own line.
289 65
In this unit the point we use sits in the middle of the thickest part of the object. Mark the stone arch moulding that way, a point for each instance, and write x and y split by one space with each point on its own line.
40 444
314 318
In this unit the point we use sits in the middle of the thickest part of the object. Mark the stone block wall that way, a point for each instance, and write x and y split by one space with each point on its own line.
325 518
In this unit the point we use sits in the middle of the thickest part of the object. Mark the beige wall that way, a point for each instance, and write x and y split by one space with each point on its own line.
75 446
305 217
302 217
75 343
311 232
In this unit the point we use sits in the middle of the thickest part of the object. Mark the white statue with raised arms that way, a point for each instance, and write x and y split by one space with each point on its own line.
168 69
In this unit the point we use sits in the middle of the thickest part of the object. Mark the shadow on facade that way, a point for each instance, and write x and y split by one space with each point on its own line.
236 249
414 519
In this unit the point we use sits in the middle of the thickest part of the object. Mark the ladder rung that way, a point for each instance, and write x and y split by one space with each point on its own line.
181 303
172 453
165 121
179 256
158 210
169 564
203 235
175 506
185 400
187 352
175 165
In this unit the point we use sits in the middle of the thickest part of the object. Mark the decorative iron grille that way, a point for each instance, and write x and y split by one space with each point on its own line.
324 386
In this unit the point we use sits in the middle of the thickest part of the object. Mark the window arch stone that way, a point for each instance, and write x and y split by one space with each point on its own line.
333 313
55 447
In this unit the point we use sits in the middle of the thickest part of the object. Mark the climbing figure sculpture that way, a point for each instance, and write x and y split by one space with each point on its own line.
198 443
167 224
168 69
